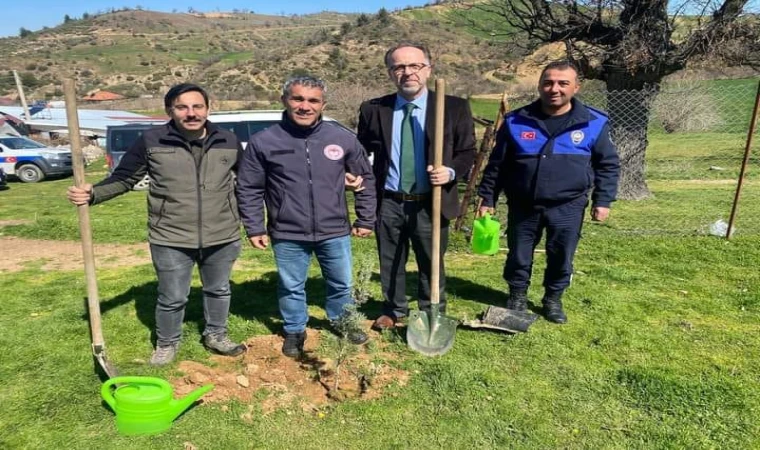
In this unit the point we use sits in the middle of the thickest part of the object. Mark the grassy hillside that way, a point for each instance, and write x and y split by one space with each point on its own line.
238 55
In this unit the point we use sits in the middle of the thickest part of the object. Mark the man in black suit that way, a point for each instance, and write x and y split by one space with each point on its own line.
398 129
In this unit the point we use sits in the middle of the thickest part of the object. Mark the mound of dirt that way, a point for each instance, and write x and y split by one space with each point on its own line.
308 383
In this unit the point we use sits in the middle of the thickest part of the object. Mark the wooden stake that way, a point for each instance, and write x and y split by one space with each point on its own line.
747 148
21 95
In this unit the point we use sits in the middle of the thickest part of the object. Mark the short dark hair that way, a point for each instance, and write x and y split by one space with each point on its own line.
417 45
562 64
180 89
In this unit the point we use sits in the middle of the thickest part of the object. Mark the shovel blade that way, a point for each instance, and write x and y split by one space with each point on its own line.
509 320
430 333
102 365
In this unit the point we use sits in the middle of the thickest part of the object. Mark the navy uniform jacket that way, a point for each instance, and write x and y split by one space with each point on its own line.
533 167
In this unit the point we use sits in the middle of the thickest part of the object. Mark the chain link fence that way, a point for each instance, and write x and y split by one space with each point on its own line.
681 151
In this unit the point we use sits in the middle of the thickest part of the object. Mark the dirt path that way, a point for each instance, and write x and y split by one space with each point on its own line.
66 255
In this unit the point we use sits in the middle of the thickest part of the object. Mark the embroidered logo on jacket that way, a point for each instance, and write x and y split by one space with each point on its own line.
577 136
334 152
528 135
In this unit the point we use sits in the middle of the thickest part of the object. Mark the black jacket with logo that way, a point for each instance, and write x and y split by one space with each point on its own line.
299 173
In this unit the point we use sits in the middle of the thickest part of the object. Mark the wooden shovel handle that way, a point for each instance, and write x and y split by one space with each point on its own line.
85 232
435 257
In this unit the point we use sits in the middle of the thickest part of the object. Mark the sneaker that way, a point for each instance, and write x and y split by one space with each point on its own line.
221 344
164 354
355 336
293 345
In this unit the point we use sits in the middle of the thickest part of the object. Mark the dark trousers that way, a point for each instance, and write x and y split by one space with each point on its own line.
525 225
399 224
174 268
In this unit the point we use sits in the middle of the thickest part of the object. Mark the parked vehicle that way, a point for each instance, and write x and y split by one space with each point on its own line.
243 123
30 161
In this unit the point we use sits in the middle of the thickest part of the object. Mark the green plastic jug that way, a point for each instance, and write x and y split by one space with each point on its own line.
144 405
485 235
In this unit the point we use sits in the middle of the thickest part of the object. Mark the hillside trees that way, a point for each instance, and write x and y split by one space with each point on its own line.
631 45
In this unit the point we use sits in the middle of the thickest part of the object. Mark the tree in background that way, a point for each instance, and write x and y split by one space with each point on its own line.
383 16
23 32
631 45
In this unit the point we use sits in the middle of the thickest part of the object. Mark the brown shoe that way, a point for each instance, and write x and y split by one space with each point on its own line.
384 323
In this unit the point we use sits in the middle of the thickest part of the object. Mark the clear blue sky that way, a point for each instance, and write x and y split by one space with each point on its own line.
35 14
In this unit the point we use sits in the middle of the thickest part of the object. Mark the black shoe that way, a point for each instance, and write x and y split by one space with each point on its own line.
518 300
355 336
553 308
293 345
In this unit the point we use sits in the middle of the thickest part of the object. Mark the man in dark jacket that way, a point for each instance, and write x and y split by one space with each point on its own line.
297 169
398 130
548 156
192 212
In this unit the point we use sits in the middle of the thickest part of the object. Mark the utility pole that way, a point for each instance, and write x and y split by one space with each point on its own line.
21 95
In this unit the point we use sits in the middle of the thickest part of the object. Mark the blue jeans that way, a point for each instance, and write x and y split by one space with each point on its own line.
174 269
293 259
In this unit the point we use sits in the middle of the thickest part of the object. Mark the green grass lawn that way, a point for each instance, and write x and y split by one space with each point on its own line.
660 351
484 108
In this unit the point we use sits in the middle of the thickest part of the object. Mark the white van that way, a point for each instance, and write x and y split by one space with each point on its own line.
243 123
30 161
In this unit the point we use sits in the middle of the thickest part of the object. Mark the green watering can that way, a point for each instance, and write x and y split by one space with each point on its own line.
144 405
485 235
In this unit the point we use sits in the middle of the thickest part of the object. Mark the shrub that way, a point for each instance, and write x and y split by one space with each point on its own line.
686 106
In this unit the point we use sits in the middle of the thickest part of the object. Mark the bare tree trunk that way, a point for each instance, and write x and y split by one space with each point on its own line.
628 103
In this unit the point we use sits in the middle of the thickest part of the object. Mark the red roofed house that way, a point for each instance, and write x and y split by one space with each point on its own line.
102 96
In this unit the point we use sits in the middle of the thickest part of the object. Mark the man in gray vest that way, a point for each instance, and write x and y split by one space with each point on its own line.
192 212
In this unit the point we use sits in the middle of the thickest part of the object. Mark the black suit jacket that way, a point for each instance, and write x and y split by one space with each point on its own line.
376 131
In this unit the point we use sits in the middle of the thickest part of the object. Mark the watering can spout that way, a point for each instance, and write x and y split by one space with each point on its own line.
179 406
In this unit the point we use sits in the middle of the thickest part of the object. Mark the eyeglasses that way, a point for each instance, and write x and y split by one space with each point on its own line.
401 69
185 108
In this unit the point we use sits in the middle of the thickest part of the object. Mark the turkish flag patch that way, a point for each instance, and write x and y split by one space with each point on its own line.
528 135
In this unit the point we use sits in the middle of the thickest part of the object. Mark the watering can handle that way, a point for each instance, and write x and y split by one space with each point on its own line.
105 390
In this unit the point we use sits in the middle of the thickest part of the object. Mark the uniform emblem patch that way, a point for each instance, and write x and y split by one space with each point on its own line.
577 136
528 135
334 152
